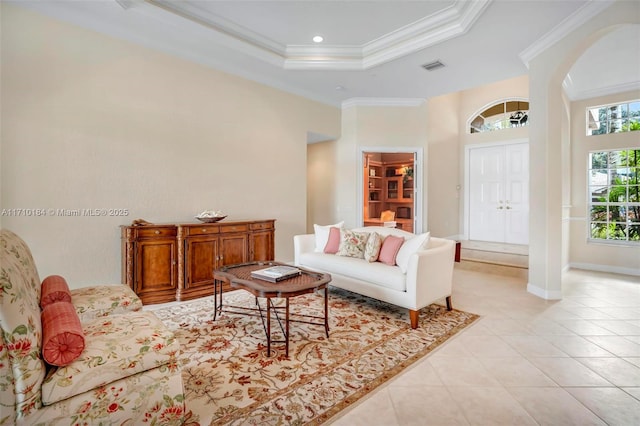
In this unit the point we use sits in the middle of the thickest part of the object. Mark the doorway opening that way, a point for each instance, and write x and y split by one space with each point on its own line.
390 188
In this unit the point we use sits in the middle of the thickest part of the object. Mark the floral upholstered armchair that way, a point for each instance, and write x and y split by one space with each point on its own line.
124 372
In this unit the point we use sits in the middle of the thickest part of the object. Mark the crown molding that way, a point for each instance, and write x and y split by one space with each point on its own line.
602 91
443 25
383 102
571 23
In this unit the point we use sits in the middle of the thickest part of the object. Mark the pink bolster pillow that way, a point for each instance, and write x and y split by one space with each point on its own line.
54 289
62 334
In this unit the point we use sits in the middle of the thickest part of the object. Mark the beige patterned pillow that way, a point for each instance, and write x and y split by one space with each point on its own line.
372 249
352 243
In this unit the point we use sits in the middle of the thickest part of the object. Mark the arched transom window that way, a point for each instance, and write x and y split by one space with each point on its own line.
502 115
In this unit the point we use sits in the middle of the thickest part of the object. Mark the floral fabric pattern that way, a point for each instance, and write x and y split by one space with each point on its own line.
116 347
352 243
104 300
21 326
372 249
151 397
145 389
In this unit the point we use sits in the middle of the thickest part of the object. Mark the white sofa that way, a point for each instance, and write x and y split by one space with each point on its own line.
428 276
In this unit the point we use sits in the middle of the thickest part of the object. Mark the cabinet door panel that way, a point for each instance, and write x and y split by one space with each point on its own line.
261 246
155 272
200 261
233 249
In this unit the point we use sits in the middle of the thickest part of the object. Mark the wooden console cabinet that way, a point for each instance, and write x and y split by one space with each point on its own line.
163 263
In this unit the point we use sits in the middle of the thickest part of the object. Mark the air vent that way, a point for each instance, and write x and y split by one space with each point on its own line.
433 65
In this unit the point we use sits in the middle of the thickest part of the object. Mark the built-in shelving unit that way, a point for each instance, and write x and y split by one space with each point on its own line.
389 186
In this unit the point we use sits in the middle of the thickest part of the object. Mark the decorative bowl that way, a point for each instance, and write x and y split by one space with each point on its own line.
210 219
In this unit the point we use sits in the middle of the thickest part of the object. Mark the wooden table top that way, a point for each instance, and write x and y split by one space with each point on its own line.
239 276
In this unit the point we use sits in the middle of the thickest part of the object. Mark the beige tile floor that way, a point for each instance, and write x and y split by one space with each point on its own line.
527 361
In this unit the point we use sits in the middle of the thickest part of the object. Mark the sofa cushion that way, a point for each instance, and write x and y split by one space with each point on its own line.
352 243
115 347
54 289
152 397
372 249
62 335
322 234
104 300
389 250
333 243
375 273
410 246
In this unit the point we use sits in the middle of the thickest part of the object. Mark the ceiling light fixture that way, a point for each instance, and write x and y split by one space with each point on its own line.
318 39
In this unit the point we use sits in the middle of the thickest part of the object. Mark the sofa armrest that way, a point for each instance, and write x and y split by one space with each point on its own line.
430 272
305 243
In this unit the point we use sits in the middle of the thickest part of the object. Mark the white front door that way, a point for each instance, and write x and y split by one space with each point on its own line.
499 193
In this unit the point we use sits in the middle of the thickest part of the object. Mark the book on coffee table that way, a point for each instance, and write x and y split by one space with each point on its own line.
276 273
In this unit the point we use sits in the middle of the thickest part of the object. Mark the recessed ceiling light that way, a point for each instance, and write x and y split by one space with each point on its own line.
318 39
340 88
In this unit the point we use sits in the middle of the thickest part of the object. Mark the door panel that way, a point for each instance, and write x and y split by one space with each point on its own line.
499 194
156 272
261 244
486 194
201 261
233 249
517 194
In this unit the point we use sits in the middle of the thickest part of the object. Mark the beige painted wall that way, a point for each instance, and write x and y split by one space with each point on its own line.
443 168
585 254
374 126
92 122
321 183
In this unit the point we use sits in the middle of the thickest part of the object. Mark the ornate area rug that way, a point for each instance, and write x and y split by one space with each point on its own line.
229 380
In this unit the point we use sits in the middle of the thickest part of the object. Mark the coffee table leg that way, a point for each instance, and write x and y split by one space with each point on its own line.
286 326
215 299
326 311
268 326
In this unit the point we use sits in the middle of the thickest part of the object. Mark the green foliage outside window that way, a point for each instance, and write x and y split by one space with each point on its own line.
614 187
624 117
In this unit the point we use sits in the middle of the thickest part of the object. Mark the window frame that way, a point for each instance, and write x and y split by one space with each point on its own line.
505 113
629 118
632 189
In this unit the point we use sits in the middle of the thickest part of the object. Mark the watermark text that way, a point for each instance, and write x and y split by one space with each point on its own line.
59 212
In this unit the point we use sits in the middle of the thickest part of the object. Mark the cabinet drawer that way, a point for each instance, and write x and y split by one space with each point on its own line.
156 232
234 228
202 230
262 225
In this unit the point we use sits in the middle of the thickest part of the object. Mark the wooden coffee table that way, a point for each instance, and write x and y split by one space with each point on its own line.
239 276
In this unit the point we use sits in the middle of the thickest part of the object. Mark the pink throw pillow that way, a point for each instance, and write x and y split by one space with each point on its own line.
333 243
389 250
54 289
62 334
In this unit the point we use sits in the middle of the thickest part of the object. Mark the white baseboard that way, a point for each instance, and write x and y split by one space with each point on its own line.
605 268
545 294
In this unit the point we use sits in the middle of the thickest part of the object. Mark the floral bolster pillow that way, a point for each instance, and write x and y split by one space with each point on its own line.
62 334
54 289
